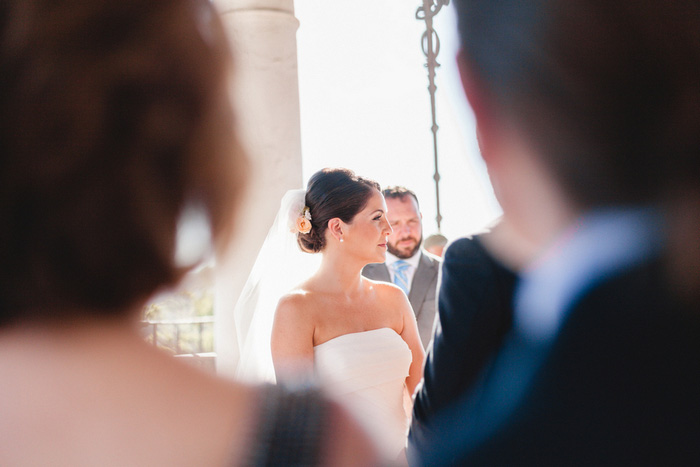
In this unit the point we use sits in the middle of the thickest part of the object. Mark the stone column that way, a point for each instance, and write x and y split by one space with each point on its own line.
266 97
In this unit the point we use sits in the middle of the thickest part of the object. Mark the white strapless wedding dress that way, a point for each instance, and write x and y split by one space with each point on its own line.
366 371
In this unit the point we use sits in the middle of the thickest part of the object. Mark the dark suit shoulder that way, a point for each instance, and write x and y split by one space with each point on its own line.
467 249
626 366
469 271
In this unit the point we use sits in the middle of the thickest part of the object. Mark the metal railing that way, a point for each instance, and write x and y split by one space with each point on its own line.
192 335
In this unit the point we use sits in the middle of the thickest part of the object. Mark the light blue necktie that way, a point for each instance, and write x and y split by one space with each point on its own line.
400 267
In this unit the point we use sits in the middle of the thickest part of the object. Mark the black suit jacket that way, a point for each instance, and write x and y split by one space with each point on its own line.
422 293
474 313
618 385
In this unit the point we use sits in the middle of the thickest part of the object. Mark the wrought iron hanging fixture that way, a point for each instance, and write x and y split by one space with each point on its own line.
430 43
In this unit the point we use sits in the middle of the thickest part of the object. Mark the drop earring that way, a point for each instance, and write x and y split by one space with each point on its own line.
341 240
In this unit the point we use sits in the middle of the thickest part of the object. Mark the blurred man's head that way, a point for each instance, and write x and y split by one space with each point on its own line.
435 244
582 104
405 219
601 91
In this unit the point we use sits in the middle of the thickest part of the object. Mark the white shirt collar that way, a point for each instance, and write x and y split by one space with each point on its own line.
413 260
597 246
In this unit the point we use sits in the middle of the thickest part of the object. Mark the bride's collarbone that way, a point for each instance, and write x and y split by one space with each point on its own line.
365 297
339 319
360 313
331 305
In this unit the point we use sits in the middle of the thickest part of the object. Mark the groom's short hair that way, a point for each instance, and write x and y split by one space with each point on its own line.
607 93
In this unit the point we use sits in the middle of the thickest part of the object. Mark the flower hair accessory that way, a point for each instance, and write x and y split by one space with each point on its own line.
303 222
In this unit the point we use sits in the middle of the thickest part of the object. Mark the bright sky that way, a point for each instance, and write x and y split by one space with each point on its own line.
365 106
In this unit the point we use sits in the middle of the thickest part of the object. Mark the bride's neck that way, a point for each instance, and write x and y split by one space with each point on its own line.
339 274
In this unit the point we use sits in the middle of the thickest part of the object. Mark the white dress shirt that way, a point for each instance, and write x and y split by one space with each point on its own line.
410 271
597 246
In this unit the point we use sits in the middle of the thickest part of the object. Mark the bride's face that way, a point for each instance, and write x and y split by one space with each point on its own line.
367 235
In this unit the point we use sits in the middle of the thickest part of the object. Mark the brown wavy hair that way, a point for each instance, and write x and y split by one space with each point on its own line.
114 116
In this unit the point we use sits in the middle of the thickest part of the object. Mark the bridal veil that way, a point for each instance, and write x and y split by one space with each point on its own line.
279 267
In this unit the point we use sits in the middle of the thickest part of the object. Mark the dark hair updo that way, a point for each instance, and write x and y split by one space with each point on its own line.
333 193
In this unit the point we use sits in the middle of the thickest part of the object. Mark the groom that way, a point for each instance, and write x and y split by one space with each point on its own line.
601 364
407 265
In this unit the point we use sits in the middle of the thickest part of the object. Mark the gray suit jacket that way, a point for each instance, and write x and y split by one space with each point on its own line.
422 294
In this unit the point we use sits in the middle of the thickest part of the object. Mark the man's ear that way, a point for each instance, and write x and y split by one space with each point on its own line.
335 227
478 101
469 84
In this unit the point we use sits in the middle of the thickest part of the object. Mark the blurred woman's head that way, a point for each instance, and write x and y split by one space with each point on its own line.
115 118
333 193
607 93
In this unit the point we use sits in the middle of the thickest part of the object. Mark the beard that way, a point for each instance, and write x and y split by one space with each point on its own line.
403 254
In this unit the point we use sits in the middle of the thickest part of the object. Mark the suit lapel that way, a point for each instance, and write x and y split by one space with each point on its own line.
425 273
377 272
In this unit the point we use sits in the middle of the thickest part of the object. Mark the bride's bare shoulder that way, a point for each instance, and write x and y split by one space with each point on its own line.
296 300
382 287
385 291
290 314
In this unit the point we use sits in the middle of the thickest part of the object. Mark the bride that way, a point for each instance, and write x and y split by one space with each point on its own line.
359 337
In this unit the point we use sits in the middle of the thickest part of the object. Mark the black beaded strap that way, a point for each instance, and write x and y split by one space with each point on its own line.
292 423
